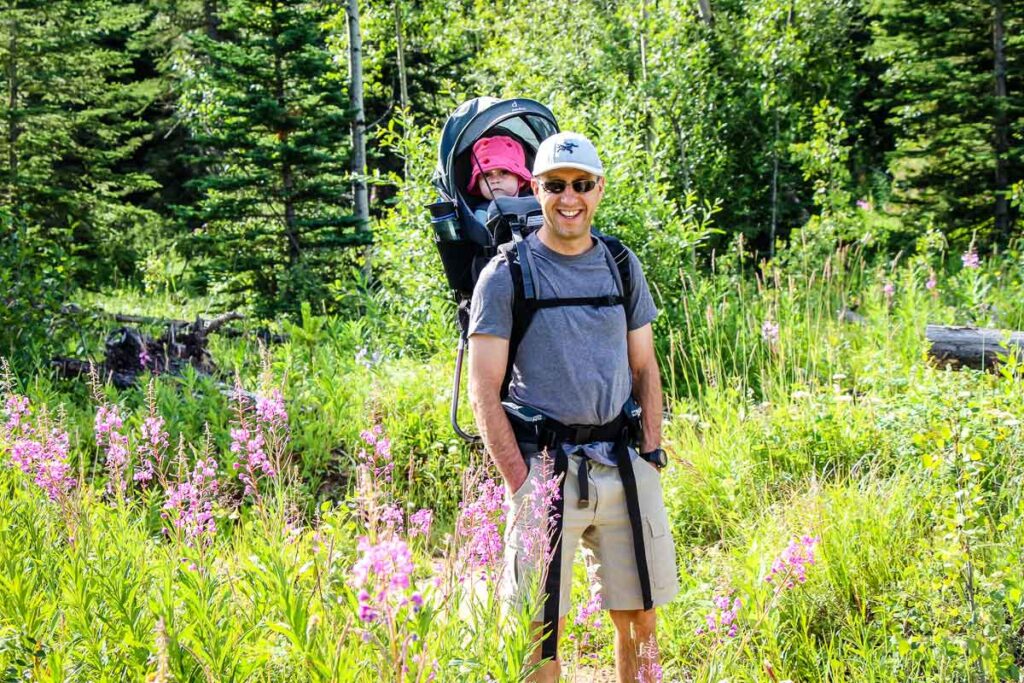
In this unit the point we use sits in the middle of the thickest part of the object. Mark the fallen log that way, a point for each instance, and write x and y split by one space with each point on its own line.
129 352
974 347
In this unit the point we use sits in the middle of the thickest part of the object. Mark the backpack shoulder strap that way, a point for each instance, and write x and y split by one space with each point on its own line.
620 255
524 301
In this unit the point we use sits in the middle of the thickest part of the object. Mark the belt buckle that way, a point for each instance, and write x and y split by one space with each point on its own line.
583 433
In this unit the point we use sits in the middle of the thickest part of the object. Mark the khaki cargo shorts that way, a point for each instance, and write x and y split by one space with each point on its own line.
602 526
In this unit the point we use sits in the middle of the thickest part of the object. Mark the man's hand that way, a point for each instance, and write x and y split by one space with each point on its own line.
643 364
488 356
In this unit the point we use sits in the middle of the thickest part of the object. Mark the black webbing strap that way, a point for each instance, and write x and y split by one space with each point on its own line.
583 477
553 580
633 510
524 293
599 301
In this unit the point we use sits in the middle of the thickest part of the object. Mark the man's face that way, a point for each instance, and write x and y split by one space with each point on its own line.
568 214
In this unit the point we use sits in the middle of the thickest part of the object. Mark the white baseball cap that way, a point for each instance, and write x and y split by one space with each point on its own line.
567 150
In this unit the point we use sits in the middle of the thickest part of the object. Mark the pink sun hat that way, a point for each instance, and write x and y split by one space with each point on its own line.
501 152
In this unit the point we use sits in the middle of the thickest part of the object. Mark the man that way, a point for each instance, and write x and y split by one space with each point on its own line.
577 364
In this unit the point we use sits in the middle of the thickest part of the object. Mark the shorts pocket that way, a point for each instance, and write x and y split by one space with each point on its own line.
524 487
660 551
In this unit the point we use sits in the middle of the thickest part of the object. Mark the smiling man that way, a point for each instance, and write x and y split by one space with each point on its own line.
582 363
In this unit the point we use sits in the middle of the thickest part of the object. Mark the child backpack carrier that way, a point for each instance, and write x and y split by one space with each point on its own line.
466 245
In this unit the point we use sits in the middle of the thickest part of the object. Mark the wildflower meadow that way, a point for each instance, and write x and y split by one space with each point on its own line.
845 508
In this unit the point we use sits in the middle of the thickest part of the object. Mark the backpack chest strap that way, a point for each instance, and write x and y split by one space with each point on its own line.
598 301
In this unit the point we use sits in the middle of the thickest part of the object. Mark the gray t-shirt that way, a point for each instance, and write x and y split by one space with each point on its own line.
572 364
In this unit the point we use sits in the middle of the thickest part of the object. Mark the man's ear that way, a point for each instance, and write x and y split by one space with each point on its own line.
534 185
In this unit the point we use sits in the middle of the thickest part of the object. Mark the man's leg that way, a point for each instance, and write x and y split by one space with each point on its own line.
551 671
635 643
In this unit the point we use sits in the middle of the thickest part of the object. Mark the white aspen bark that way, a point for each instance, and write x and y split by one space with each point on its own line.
355 52
704 6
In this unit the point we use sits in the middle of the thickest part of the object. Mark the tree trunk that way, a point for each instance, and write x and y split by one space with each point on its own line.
1002 126
210 19
355 49
973 347
704 6
13 130
648 124
775 183
403 85
287 175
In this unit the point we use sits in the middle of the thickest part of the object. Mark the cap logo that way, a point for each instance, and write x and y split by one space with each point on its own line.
567 147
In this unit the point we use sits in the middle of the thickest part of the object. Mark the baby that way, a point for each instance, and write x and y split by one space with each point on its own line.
499 170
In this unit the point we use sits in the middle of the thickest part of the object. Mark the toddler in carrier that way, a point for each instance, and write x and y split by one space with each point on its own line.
499 170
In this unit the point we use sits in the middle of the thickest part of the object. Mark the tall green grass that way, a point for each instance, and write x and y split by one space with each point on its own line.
837 428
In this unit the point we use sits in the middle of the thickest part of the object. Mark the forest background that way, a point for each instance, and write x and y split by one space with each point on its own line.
781 168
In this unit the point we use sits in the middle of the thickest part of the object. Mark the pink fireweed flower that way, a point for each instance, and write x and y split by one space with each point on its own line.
392 518
770 331
271 411
792 563
931 283
45 460
650 670
17 409
722 620
863 204
110 439
538 508
108 419
152 444
970 259
382 576
889 289
26 453
189 504
255 464
144 357
259 436
420 523
53 474
380 461
589 610
479 526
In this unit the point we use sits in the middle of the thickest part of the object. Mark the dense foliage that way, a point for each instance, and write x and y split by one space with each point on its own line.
843 509
211 138
808 184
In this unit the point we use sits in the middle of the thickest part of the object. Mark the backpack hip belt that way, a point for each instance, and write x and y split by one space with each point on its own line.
532 426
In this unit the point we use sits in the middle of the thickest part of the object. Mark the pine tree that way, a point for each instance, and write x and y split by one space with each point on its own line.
956 150
69 127
269 111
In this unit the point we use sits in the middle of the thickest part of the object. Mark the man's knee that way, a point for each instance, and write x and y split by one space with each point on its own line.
636 623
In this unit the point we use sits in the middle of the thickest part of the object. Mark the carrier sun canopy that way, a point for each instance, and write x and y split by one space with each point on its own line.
526 120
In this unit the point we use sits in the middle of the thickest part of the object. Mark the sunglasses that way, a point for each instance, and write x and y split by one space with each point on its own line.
558 186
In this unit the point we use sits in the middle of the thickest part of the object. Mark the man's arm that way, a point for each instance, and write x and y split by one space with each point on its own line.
488 356
643 364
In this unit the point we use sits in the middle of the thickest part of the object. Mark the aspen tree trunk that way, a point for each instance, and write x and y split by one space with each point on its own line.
403 84
1001 132
355 52
648 126
775 183
704 6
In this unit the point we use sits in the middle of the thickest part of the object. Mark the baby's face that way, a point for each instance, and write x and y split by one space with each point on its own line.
498 183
